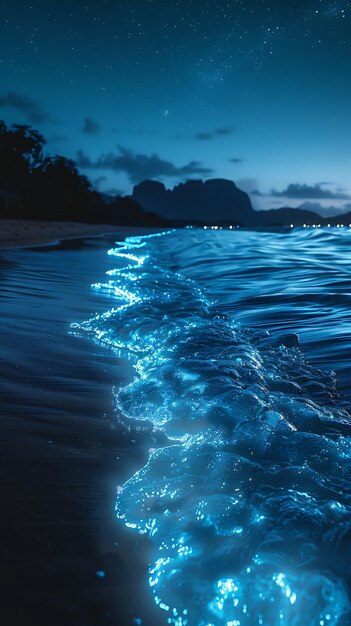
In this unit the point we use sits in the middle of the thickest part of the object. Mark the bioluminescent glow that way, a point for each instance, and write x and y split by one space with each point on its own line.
248 506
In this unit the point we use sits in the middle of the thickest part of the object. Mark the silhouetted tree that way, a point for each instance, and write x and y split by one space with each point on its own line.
58 191
21 151
124 210
51 188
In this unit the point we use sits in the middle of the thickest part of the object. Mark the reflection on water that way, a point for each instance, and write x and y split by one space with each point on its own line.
62 452
247 502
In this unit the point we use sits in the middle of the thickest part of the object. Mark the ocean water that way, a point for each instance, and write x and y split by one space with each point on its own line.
246 501
176 430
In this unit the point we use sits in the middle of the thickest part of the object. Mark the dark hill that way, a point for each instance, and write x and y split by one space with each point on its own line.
196 201
219 201
287 216
338 219
35 186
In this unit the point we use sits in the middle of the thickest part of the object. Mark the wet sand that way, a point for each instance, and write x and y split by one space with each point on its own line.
21 233
64 557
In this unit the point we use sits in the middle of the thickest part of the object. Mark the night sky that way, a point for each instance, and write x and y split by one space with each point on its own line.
259 92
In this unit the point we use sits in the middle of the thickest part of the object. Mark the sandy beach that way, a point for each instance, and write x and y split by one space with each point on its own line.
22 233
65 559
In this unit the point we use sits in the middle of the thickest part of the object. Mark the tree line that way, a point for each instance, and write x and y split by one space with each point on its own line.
51 187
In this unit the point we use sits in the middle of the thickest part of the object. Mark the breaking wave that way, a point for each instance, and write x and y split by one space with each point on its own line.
248 504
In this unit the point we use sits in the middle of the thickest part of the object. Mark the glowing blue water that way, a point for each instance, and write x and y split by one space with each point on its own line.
248 505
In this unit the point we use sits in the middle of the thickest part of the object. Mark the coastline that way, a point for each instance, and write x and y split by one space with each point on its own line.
66 560
28 233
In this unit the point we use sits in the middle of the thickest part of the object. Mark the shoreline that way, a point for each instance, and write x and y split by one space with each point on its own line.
31 233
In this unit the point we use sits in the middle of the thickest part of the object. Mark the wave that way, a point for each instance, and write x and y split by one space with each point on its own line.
248 503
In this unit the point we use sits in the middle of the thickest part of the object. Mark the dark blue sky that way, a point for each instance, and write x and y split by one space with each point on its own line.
259 92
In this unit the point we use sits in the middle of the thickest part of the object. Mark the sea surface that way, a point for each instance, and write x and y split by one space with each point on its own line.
176 430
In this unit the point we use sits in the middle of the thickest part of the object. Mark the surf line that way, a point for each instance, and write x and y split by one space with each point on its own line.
243 505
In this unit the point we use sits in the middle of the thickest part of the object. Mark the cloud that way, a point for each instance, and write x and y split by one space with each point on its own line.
249 185
85 162
309 192
235 160
98 181
204 136
113 192
140 166
224 131
90 127
59 138
27 105
127 130
218 132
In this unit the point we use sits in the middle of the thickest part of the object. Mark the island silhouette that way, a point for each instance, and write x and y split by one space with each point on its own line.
38 187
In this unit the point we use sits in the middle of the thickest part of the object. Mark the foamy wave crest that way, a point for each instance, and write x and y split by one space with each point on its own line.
248 506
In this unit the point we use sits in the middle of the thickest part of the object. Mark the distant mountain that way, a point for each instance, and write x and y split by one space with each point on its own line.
287 216
325 211
196 201
298 217
344 219
39 187
219 201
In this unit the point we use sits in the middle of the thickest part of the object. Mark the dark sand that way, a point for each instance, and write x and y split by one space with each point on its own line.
19 233
65 559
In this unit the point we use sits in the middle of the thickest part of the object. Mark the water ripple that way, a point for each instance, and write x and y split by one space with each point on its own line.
248 504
